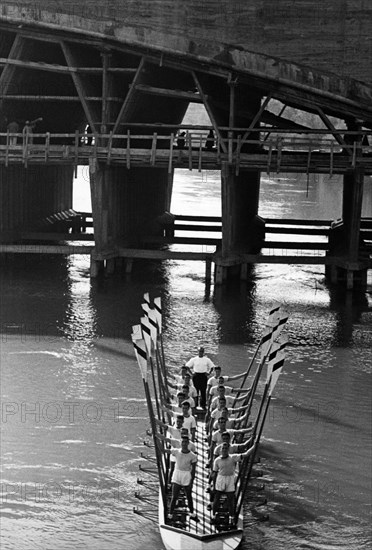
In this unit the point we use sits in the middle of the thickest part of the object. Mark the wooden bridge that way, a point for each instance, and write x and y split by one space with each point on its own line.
104 86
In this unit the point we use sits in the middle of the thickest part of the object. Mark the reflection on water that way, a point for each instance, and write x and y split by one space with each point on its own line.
74 416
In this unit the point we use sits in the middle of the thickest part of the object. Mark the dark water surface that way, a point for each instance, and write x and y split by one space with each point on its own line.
73 411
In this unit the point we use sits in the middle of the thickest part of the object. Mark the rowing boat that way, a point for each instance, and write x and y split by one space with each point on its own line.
203 535
181 531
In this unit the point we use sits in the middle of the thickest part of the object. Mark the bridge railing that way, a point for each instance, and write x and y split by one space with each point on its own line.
194 143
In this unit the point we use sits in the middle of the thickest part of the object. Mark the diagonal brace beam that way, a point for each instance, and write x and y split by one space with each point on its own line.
333 130
129 97
79 86
209 111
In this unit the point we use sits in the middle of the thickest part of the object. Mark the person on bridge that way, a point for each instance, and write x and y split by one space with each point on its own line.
209 144
13 128
181 140
202 366
28 129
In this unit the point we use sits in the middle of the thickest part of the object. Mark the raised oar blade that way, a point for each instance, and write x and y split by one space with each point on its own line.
159 312
273 316
145 308
137 332
146 298
276 352
141 356
277 369
146 331
282 321
272 332
153 324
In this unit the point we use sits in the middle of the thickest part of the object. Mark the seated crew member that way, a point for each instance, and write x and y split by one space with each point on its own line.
183 476
223 476
202 366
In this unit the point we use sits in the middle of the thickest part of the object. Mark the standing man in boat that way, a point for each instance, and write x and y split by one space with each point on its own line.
183 476
223 476
201 367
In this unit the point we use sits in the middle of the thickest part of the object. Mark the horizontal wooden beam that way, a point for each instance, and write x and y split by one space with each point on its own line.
7 236
297 230
177 94
274 221
152 239
55 68
38 97
196 227
45 249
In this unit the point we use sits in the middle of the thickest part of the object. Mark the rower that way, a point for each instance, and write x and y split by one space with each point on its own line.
233 448
223 478
214 380
217 435
188 398
231 422
189 421
175 442
178 378
177 401
230 400
183 476
188 381
217 412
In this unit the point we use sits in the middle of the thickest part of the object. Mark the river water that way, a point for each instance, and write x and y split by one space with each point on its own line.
73 411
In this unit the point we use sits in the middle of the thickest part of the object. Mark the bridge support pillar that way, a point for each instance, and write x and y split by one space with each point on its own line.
30 194
242 229
345 235
125 206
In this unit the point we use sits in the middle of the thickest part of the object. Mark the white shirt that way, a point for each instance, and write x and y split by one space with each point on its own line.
189 422
230 400
214 390
176 444
184 460
192 391
213 381
226 466
200 364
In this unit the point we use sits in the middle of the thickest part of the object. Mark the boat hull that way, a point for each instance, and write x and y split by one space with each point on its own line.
178 539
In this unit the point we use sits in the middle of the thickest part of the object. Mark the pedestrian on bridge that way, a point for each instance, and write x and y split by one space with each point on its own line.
13 128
